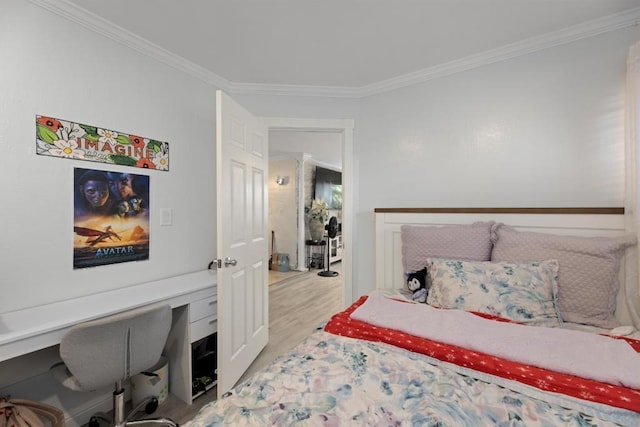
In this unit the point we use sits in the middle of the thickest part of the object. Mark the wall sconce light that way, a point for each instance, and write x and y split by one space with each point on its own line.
282 180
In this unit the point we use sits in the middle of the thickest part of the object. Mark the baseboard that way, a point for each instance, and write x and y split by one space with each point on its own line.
78 407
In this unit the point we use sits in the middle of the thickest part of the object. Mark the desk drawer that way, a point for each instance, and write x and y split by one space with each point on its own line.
203 327
203 308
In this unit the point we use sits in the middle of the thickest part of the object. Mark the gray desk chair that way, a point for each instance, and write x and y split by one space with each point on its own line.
110 351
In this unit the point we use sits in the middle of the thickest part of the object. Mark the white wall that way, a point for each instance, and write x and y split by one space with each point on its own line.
323 147
545 129
53 67
283 209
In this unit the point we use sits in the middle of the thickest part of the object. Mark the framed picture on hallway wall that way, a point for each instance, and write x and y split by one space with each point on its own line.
110 217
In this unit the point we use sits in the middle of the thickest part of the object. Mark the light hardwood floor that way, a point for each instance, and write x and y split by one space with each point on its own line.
298 302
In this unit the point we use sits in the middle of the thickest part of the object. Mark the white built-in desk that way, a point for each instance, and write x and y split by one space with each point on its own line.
32 329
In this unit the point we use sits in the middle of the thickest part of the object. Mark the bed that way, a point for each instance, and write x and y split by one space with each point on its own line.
517 329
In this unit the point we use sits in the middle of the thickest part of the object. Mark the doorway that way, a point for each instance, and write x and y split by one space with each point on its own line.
342 131
303 165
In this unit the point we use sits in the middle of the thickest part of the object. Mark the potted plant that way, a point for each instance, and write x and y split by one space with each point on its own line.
318 214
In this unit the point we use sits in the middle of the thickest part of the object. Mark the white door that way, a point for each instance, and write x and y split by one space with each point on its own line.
243 315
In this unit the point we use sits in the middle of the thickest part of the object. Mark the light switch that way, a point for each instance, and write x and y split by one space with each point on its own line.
166 216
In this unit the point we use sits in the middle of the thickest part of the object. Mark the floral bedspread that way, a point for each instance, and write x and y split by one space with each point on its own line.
329 380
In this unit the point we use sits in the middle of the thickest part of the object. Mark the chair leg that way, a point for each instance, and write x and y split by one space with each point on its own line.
168 422
150 404
95 420
118 412
118 405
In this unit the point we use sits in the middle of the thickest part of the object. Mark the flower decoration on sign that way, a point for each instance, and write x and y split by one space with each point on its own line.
319 210
60 138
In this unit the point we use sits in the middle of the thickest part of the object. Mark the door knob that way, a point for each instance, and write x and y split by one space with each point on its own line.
228 261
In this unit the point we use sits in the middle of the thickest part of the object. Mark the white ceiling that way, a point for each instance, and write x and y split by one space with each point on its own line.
337 47
337 43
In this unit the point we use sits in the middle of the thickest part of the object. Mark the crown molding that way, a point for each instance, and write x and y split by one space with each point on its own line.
567 35
125 37
295 90
570 34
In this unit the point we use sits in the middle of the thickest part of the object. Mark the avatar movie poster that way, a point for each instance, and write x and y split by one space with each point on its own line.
111 217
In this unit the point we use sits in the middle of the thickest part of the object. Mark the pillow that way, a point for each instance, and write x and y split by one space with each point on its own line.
524 293
588 273
471 242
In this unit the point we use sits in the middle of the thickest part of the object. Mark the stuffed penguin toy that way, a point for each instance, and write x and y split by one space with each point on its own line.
417 284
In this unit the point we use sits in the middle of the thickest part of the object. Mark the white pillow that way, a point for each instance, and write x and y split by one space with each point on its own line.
523 292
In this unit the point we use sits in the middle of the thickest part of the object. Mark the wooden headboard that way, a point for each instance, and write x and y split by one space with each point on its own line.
567 221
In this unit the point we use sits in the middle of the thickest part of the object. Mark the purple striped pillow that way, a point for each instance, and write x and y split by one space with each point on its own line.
469 242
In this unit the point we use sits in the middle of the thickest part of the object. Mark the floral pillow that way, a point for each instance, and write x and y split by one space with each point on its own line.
523 292
589 267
